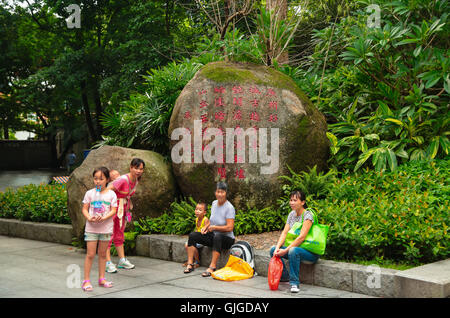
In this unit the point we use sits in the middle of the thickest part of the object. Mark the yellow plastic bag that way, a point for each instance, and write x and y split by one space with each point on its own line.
235 269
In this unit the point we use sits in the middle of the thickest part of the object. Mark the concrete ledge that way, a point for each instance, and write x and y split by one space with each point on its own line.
427 281
48 232
172 248
432 280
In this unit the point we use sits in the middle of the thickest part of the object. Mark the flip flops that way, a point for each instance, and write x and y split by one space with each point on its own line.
106 284
87 287
208 274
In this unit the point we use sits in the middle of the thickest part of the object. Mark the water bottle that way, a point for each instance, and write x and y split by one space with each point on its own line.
97 203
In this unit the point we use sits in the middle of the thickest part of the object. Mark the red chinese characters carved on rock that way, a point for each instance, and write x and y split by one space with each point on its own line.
220 116
237 101
203 104
254 116
254 90
271 92
219 90
219 102
222 172
273 104
237 115
237 90
204 118
273 118
240 173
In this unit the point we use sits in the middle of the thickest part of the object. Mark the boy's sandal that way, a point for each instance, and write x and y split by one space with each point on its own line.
196 264
87 287
189 270
206 273
106 284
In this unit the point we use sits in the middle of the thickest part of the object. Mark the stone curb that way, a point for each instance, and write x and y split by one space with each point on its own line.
428 281
48 232
369 280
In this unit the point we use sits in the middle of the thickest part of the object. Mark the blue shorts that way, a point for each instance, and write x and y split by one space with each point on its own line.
88 237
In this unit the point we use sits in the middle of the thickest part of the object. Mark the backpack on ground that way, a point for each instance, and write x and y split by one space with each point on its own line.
244 250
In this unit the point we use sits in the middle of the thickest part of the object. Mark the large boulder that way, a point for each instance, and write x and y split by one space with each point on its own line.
155 191
288 129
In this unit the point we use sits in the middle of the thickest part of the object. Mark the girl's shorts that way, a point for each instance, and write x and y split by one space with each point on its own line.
96 237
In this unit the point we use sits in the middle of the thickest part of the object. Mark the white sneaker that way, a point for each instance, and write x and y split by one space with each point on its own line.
125 264
111 268
294 289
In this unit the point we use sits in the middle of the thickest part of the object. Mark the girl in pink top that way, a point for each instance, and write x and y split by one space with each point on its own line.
124 187
99 226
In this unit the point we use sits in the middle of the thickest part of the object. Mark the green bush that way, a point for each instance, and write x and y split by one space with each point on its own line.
400 216
384 90
180 219
37 203
314 185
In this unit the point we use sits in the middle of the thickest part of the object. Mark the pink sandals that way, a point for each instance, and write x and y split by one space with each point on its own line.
106 284
87 287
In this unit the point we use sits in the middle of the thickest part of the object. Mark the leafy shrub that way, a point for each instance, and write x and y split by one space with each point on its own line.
37 203
384 90
401 215
142 121
180 219
314 185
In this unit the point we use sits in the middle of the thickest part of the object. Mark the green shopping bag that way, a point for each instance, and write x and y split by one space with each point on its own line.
315 241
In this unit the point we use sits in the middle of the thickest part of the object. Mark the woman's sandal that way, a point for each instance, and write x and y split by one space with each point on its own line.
189 270
206 273
87 287
106 284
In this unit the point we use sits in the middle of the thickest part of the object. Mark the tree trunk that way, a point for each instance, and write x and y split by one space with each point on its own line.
5 131
98 110
169 9
87 111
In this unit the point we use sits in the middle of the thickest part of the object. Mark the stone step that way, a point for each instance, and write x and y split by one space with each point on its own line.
369 280
47 232
427 281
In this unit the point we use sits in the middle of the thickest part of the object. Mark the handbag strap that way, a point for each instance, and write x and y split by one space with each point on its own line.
315 221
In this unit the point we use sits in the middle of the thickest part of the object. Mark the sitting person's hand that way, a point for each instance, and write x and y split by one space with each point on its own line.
206 229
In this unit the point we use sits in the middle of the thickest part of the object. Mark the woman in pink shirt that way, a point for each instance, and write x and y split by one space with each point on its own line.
124 187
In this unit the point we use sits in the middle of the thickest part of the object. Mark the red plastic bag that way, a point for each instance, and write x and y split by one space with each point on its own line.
275 271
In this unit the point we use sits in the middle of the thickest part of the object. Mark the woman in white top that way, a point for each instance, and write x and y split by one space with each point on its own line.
293 252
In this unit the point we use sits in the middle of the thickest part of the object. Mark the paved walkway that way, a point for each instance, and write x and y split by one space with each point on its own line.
31 269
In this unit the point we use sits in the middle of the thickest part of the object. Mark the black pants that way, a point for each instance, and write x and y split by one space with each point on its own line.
217 241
